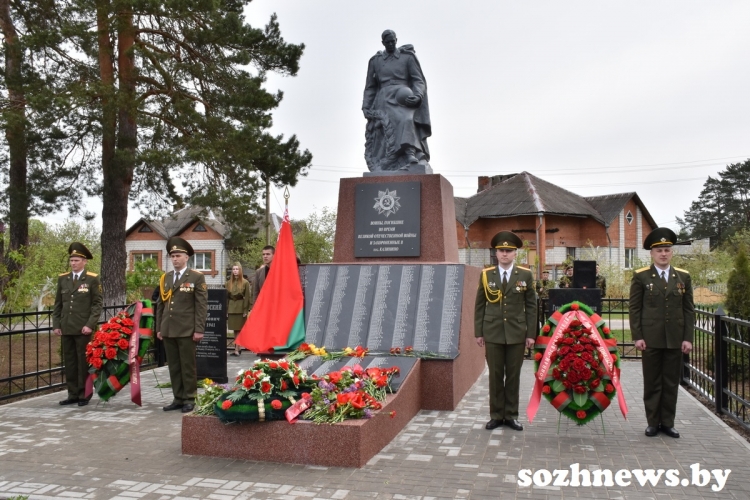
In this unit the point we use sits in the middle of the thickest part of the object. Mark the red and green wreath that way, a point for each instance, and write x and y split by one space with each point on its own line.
116 350
577 365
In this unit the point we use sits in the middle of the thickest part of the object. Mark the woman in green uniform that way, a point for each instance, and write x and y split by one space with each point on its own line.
238 294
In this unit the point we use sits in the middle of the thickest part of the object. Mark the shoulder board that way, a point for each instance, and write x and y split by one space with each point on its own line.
488 269
64 274
524 268
91 274
682 270
642 269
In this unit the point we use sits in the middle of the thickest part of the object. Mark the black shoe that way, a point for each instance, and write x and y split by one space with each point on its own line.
492 424
669 431
514 424
83 402
187 407
652 431
68 402
173 406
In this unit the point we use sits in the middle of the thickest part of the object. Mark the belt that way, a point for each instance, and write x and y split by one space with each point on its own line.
396 82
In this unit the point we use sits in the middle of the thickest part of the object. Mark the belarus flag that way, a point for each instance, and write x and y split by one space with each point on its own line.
277 321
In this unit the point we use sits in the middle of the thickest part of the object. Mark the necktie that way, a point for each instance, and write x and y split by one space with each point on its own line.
664 277
505 279
75 278
177 277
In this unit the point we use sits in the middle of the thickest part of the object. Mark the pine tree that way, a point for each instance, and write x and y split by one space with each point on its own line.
738 286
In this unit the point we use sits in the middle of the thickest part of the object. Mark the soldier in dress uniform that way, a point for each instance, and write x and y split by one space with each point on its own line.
180 322
78 304
505 317
662 318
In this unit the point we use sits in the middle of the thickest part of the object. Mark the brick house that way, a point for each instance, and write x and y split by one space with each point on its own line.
147 239
547 216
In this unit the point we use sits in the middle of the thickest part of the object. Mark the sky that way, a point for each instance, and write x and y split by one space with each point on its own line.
596 97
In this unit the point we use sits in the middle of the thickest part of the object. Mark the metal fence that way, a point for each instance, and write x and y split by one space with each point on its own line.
31 355
719 367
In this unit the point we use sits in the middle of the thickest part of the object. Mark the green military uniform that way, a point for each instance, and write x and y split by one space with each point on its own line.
662 315
601 283
239 297
260 278
181 311
566 281
78 303
505 316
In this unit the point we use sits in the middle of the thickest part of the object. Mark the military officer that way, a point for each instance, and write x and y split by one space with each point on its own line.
180 322
78 304
601 282
505 324
566 281
662 319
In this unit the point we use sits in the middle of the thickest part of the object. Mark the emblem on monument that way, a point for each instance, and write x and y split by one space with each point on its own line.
387 202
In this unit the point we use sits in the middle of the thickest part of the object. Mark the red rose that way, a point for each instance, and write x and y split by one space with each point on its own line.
226 405
586 356
574 306
579 364
589 347
98 352
579 389
546 328
595 383
122 344
585 374
609 388
578 348
564 350
97 363
265 387
580 414
110 353
553 356
585 339
568 341
538 356
600 372
556 373
568 384
276 404
546 389
573 377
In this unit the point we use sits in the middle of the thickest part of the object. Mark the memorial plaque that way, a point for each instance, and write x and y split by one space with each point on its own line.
384 306
403 363
211 352
318 286
314 365
387 220
310 364
558 297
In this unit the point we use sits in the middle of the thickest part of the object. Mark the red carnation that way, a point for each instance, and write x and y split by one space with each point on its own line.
538 356
226 405
546 389
546 328
295 379
304 347
334 377
606 330
273 365
265 387
580 414
248 382
609 388
393 414
110 353
284 364
574 306
276 404
283 385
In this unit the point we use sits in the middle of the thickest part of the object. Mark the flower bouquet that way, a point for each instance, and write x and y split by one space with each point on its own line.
263 392
115 352
349 393
577 365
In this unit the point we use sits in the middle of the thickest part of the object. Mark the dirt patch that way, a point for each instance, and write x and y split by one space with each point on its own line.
28 353
703 295
742 431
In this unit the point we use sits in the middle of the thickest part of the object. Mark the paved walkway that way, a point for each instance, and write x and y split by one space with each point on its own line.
121 451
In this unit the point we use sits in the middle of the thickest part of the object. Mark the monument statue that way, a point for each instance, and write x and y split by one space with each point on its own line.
397 111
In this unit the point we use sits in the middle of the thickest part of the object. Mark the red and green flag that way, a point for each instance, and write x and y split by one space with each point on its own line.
277 320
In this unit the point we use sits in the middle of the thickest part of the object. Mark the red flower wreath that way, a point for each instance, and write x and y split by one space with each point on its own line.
581 370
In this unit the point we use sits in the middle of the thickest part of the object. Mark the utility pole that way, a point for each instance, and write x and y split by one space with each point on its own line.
268 211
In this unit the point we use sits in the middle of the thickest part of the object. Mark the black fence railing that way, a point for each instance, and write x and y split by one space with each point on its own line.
31 355
719 367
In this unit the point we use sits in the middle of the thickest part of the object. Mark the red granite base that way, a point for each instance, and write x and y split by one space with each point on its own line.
445 382
348 444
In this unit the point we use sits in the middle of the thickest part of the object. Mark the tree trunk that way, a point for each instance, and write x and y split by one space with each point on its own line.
114 191
15 134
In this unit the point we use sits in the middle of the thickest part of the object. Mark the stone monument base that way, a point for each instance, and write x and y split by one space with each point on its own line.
348 444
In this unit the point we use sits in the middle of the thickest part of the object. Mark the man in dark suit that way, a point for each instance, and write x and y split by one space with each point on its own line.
260 275
180 322
505 324
662 318
78 304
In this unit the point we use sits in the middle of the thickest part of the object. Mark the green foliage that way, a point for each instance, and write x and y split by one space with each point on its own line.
145 274
45 258
705 268
314 236
738 286
723 206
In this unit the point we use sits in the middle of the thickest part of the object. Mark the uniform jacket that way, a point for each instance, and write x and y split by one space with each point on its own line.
664 318
184 313
512 319
239 298
77 306
260 278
